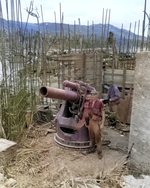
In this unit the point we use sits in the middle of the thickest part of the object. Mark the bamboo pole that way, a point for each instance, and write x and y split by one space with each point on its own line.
101 60
143 28
128 44
75 35
120 39
105 24
88 46
134 38
69 48
55 24
93 36
62 32
124 40
107 50
137 44
80 35
84 66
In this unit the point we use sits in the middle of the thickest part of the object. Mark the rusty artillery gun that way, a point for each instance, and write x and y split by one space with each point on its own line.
71 130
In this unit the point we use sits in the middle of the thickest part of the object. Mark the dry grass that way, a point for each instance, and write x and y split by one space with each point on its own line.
29 169
111 179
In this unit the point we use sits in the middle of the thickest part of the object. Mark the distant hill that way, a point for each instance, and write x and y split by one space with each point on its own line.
52 28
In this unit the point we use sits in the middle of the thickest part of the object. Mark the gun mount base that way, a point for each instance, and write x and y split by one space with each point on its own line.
71 130
68 137
71 144
69 133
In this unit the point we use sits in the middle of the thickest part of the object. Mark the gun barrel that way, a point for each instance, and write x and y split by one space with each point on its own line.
60 94
72 85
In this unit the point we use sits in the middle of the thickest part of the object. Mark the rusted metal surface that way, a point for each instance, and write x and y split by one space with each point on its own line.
71 129
72 85
61 94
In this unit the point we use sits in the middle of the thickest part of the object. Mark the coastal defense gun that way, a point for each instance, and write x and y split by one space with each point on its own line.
71 129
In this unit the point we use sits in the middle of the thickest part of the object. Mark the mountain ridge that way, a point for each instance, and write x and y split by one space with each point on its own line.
90 31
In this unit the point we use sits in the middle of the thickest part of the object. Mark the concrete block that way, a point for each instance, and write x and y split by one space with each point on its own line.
140 116
8 151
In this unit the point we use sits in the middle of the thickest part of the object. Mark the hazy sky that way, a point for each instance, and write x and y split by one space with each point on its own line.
121 11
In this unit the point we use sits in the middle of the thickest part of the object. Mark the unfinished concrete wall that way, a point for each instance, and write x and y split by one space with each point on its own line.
140 117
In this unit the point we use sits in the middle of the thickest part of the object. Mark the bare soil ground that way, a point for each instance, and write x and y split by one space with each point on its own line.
41 163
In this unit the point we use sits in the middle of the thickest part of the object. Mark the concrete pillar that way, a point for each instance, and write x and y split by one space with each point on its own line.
140 116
